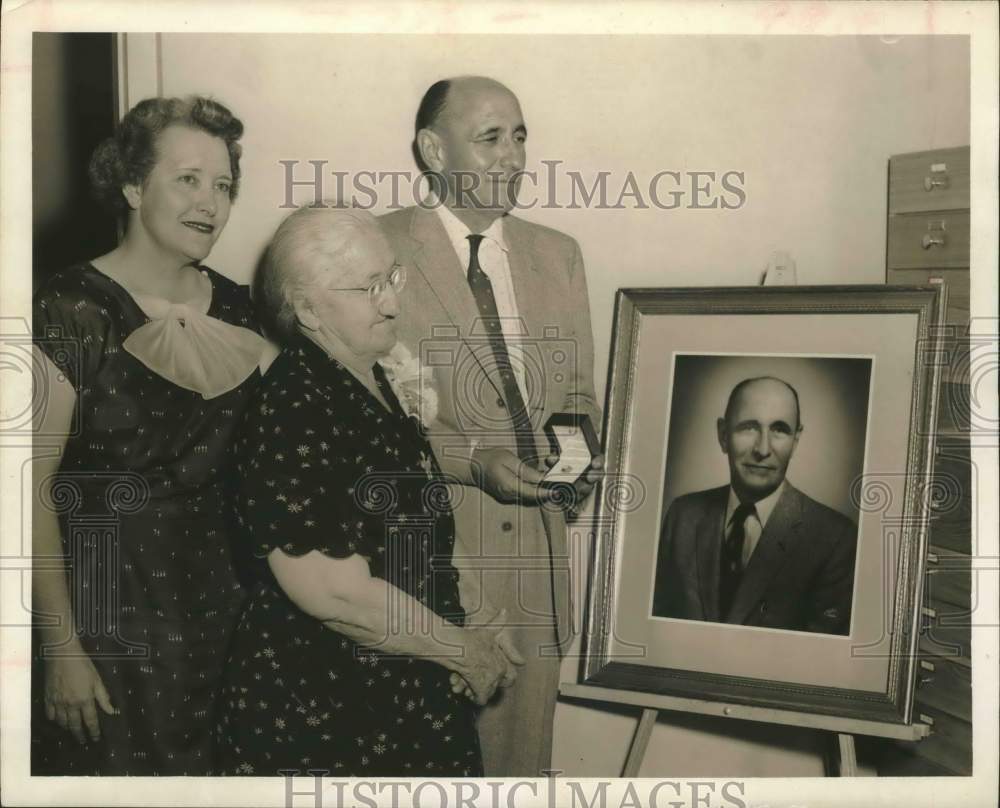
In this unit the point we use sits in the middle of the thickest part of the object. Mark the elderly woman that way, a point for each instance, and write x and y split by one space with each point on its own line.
351 654
148 359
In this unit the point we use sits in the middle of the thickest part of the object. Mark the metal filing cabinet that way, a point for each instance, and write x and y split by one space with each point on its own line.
927 241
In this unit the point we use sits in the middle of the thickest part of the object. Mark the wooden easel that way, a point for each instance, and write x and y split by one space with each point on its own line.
652 704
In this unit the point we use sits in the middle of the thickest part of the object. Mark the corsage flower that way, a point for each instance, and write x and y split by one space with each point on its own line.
412 383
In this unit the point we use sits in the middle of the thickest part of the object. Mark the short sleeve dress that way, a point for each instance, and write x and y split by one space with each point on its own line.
139 495
324 466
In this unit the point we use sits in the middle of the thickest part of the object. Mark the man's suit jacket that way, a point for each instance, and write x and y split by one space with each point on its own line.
440 320
800 576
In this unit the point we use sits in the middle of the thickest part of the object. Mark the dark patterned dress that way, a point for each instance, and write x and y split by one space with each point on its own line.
140 495
323 465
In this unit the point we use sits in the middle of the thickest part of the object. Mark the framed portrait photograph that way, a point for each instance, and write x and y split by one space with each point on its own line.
761 530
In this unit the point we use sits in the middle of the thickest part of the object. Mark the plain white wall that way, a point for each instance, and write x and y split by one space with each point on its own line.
811 121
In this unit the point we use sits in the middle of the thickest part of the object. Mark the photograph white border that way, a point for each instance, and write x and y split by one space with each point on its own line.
978 20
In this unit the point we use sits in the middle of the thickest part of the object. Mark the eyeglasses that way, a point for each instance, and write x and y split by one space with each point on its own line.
396 281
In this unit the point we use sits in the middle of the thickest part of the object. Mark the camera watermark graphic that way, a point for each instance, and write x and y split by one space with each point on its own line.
466 362
22 362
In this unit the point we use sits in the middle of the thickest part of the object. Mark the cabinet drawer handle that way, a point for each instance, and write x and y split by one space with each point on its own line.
930 183
928 241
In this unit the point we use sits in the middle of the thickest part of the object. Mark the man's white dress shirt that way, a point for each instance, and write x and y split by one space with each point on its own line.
493 261
755 523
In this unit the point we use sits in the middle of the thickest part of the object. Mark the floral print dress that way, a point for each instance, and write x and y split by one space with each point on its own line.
140 496
322 465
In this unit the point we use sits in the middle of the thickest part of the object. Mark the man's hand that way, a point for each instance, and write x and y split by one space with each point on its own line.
514 659
506 478
584 485
505 642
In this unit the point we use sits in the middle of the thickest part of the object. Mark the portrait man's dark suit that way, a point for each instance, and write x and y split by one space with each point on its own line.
510 556
800 576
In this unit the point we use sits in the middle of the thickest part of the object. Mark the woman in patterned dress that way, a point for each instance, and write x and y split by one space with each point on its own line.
148 359
351 655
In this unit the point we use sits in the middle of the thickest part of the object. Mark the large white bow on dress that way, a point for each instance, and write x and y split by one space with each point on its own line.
194 351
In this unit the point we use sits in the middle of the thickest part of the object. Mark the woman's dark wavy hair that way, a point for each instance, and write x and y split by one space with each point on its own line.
129 155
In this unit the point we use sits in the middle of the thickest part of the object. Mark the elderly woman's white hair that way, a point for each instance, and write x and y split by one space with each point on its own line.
309 245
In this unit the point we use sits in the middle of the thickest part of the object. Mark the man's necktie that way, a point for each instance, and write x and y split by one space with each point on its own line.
731 560
482 290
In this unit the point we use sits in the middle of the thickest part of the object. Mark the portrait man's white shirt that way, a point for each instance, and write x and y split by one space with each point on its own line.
493 261
755 523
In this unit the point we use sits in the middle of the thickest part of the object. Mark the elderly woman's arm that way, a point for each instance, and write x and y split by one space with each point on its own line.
346 597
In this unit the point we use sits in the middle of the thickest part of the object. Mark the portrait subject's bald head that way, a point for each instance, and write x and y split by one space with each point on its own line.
759 433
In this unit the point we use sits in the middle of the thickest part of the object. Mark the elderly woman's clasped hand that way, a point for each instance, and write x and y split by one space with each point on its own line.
491 661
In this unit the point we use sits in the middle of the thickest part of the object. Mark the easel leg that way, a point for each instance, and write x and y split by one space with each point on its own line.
637 751
847 761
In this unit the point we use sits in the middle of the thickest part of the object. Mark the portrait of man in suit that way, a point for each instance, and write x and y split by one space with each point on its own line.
757 552
498 307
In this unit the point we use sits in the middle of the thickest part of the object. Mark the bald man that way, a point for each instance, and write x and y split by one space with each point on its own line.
757 552
498 307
